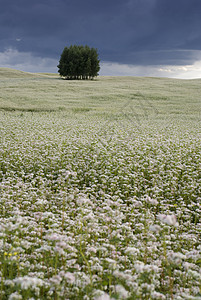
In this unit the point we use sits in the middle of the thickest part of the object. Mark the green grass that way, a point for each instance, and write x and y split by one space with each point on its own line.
22 91
100 185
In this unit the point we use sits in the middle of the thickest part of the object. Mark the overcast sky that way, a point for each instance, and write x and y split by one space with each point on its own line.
133 37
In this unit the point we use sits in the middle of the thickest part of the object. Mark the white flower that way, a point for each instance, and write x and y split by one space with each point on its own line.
194 274
156 295
168 219
132 251
41 202
27 282
56 280
112 263
53 237
59 250
69 277
9 282
121 291
176 257
139 267
15 296
102 296
154 228
151 201
83 200
188 265
92 249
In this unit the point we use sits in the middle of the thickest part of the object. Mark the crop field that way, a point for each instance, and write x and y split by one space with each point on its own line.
100 188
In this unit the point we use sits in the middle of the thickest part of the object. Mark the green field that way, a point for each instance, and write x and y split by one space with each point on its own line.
100 187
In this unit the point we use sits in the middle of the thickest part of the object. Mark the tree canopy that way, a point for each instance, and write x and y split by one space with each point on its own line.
79 62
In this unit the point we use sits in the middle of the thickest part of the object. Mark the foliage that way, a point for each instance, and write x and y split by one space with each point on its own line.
79 62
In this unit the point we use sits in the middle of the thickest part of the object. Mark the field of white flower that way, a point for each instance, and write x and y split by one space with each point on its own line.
100 188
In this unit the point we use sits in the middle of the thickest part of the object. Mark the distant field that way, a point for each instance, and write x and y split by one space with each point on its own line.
100 188
48 92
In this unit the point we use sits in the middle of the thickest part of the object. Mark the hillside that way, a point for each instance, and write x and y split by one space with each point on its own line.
6 73
48 92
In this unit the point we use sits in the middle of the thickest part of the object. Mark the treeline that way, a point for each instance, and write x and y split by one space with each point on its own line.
79 62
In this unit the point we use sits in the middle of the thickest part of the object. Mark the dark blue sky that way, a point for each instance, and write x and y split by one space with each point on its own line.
129 32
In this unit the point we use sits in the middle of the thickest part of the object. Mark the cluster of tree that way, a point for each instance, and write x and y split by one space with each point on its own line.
79 62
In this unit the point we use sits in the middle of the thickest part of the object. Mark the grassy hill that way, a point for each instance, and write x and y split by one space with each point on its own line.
12 73
6 73
48 92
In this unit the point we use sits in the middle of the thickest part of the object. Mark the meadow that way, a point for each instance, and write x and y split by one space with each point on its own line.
100 188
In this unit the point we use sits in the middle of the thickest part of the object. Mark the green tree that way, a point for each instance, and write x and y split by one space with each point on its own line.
95 67
79 62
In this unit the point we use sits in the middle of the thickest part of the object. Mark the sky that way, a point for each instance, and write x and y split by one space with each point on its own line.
133 37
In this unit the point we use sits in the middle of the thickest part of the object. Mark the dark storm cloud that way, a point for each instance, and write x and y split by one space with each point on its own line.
125 31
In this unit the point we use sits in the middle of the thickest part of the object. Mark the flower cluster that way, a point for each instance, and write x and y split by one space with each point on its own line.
83 219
